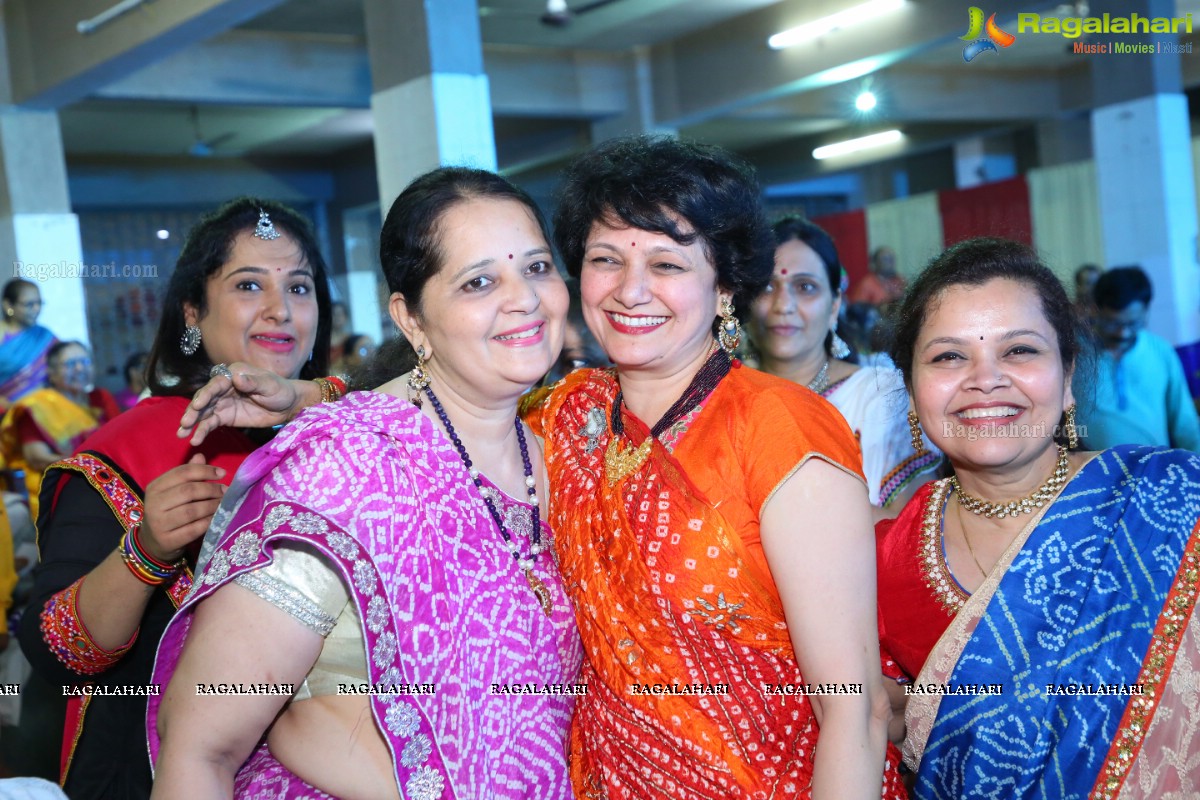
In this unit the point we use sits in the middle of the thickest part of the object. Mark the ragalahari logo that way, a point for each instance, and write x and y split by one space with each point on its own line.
995 36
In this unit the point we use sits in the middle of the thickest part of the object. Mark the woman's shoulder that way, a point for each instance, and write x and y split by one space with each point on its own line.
895 538
358 424
753 392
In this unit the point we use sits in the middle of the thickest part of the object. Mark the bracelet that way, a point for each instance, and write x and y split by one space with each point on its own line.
333 388
145 567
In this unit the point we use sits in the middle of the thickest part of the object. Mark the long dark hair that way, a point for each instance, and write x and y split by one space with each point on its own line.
207 249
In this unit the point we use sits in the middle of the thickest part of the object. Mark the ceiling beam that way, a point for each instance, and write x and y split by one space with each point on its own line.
694 80
271 69
928 94
52 64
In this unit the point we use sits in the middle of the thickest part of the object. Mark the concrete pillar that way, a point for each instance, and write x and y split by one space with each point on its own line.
639 115
430 96
39 236
1142 143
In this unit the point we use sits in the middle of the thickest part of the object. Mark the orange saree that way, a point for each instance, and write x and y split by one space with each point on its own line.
685 642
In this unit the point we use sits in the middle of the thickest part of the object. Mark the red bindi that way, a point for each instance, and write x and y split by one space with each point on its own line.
510 256
633 244
783 272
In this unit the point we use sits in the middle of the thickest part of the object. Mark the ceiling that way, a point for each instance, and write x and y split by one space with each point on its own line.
703 67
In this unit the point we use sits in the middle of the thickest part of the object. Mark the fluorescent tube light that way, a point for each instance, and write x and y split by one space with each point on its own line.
855 145
865 12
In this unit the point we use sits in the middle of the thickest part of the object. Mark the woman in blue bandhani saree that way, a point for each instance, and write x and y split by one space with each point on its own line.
1037 605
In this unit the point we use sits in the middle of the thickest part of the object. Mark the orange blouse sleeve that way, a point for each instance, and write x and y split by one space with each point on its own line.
786 425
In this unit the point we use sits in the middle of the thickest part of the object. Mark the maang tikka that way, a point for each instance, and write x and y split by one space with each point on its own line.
265 229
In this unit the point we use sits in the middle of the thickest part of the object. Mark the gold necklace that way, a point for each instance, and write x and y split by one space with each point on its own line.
962 524
1026 505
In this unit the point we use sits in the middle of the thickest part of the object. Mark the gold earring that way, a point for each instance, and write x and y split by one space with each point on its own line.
914 428
418 379
729 334
1071 430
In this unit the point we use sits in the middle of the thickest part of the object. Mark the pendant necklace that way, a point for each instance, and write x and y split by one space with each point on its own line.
524 561
820 382
618 462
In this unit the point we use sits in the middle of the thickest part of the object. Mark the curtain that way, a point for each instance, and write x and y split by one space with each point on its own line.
993 209
1065 208
912 226
849 232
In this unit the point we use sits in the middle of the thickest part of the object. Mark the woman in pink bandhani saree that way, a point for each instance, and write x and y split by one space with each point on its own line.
377 613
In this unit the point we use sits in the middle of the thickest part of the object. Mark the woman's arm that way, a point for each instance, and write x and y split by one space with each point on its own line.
178 507
254 398
236 637
39 455
817 536
82 586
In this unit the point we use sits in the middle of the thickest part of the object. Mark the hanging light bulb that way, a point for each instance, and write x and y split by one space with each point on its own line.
557 14
865 101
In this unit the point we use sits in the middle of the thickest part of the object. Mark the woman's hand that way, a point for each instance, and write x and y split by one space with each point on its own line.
254 398
178 507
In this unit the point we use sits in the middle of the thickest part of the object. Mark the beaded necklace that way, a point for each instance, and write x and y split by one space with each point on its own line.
524 562
619 463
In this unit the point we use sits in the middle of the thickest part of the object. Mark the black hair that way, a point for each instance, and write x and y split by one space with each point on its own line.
207 249
133 361
12 289
665 185
1121 287
794 228
409 244
975 262
56 349
350 343
410 249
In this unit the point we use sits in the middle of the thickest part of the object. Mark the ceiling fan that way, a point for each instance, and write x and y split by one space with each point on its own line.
202 147
559 15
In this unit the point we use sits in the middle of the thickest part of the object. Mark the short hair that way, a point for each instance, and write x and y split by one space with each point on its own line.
208 248
1121 287
654 182
974 262
12 289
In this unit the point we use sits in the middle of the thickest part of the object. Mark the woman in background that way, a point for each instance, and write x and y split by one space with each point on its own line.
48 424
25 346
120 519
794 328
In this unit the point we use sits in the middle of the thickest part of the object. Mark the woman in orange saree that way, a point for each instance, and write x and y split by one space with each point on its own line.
698 549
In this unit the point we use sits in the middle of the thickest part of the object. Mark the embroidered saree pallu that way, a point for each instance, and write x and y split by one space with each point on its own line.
373 487
1092 635
683 631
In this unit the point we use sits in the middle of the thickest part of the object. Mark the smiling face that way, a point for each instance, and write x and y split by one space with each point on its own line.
261 307
70 371
988 380
793 315
649 300
491 319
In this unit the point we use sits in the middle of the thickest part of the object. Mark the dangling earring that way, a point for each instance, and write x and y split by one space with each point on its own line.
838 347
418 379
189 342
914 428
729 334
1071 431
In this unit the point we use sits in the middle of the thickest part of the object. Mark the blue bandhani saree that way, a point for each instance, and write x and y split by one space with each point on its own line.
1090 636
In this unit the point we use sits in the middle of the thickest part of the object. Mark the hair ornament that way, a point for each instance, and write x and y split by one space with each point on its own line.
265 229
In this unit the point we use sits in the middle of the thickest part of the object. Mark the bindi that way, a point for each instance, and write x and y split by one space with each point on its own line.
510 256
783 272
